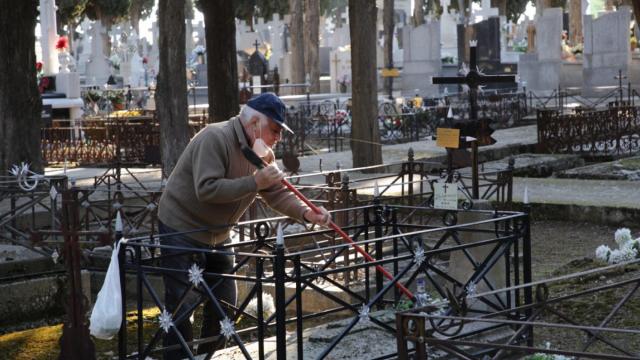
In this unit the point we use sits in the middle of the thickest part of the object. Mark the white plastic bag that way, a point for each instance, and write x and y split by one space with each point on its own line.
106 316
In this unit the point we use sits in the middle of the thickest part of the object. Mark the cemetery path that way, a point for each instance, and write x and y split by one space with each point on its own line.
602 193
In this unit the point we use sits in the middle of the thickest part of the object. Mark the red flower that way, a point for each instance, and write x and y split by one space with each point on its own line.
38 66
145 60
44 84
62 43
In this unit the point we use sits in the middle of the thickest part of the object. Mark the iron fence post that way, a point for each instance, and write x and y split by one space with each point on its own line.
260 316
299 320
377 213
410 158
140 299
395 231
526 271
279 277
122 334
75 342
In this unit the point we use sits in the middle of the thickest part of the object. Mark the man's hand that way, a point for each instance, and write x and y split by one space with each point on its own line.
268 176
324 218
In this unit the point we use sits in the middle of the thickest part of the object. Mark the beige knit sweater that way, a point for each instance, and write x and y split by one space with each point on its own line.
212 185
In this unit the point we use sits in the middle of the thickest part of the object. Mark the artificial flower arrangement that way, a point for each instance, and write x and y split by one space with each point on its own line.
628 248
62 44
42 81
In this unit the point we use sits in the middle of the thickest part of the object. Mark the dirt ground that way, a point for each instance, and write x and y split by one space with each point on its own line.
556 243
560 248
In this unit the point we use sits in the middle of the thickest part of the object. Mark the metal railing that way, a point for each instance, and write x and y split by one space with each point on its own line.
401 247
598 333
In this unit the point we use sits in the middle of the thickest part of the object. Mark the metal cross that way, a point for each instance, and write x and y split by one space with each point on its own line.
474 79
619 78
256 44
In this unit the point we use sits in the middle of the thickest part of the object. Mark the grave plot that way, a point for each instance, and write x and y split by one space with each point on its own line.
457 254
623 169
128 137
412 184
573 315
22 196
614 131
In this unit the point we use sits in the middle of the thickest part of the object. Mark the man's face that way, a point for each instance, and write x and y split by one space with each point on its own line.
271 131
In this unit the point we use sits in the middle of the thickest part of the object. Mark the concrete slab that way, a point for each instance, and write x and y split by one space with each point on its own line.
622 169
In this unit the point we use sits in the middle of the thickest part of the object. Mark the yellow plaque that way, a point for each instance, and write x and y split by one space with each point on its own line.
448 138
390 72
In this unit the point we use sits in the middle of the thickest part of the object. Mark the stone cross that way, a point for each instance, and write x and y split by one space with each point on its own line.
48 37
486 12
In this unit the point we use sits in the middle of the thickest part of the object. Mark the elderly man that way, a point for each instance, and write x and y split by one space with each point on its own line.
208 191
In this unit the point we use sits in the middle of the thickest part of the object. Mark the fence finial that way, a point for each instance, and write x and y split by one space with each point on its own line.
279 236
119 227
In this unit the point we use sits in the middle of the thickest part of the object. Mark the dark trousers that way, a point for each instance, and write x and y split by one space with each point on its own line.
176 284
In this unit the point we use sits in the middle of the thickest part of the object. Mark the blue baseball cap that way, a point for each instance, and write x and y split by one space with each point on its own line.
270 105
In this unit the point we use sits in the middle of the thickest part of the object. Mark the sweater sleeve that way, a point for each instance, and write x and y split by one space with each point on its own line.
279 198
209 165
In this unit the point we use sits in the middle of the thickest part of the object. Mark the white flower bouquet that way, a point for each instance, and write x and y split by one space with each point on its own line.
628 248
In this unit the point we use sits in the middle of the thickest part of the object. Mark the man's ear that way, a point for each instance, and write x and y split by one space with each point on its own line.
253 121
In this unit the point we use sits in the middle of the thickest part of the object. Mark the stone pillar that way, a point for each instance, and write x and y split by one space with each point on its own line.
48 37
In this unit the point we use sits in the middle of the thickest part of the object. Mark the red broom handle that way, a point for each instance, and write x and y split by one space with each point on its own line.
346 237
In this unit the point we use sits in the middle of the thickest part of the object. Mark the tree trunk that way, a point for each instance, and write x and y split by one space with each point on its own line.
296 30
20 104
339 20
365 137
134 17
222 65
636 11
418 12
312 43
575 21
501 5
171 90
388 25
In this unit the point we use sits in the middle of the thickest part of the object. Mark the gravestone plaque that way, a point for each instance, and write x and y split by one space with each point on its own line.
258 64
487 33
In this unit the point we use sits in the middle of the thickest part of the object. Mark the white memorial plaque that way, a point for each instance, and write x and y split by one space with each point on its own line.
445 196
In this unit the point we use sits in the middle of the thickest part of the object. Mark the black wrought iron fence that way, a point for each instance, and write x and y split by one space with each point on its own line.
599 333
615 130
130 139
504 109
407 250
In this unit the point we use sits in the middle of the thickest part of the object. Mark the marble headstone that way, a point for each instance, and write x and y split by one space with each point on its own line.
606 47
340 66
97 68
540 70
422 59
448 23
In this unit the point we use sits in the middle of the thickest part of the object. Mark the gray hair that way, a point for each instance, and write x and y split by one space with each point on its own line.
248 112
